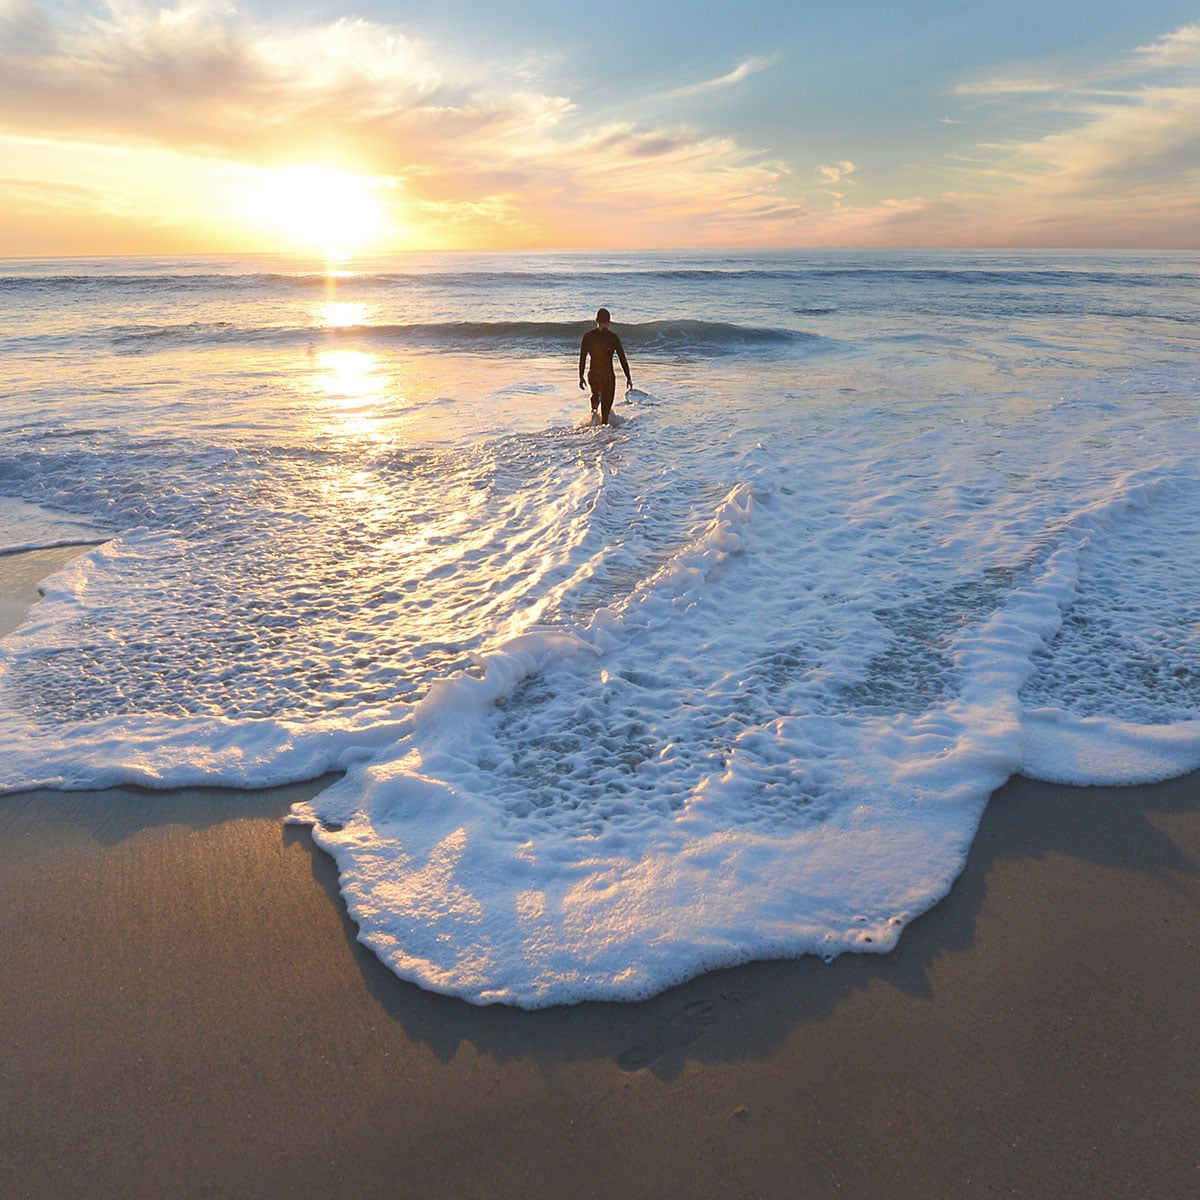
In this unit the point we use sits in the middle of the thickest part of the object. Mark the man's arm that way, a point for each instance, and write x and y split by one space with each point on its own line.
624 362
583 352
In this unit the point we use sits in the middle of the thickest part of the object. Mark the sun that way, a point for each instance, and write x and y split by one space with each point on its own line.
321 210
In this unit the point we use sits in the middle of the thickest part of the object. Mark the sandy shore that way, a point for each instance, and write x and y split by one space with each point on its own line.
186 1014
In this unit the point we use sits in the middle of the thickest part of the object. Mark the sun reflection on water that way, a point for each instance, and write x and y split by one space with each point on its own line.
350 376
342 314
359 396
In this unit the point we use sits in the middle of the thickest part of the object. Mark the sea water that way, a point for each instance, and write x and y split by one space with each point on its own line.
612 706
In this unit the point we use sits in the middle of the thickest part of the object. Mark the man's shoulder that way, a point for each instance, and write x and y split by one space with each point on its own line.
601 337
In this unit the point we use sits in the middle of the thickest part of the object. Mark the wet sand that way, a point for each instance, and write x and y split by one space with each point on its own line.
20 574
186 1013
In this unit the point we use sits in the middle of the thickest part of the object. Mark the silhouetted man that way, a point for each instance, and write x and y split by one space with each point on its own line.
600 344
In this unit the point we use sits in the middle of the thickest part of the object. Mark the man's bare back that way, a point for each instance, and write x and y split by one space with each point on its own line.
599 345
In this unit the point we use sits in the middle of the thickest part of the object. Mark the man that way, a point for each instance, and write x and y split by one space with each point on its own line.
600 344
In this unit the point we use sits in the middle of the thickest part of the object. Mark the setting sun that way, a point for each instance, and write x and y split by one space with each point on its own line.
320 209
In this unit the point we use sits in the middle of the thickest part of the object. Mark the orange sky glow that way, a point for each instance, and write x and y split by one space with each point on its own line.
198 129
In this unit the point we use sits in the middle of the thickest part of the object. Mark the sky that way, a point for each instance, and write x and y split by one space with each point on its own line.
341 128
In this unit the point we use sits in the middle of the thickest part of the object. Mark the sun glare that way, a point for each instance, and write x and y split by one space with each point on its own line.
321 210
350 377
342 314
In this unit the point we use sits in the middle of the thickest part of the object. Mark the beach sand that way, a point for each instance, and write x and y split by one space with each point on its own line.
186 1013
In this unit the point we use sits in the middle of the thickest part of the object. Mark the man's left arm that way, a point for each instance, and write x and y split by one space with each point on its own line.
624 364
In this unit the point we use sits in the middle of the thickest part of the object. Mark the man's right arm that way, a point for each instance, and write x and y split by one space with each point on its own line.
582 358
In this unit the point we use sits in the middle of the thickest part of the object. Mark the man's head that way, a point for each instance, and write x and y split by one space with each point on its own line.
603 316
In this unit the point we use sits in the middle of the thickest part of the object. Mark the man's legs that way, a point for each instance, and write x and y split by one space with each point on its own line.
608 390
604 388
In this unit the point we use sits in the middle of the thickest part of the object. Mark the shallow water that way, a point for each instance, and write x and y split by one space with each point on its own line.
616 706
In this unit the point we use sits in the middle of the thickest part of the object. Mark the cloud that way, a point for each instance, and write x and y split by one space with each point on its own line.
197 75
1012 85
1140 136
473 144
24 29
742 71
837 173
1181 47
1147 140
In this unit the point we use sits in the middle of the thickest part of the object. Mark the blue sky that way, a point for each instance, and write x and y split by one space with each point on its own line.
125 125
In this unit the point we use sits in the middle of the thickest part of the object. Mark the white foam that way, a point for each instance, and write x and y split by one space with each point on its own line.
637 865
1060 747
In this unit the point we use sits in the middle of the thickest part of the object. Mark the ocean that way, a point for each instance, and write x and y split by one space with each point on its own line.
611 707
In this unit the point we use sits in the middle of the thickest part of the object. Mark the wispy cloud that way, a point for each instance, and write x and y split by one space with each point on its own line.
1013 85
1139 136
1181 47
836 172
743 71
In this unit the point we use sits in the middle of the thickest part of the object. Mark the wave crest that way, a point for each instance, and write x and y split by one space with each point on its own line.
668 337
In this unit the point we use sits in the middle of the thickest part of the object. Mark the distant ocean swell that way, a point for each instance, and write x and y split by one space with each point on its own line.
652 337
242 281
